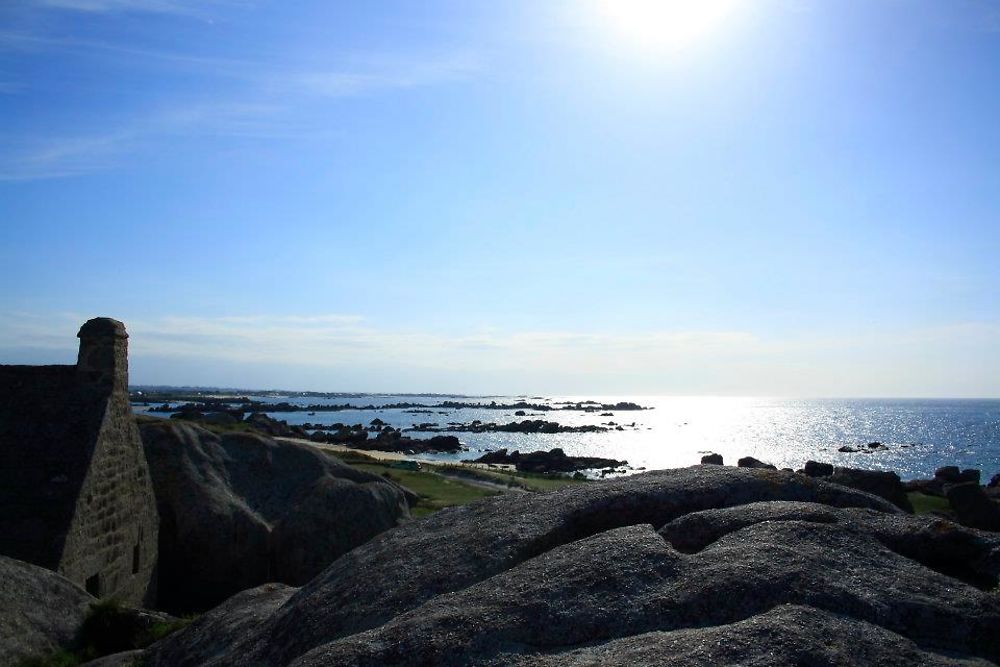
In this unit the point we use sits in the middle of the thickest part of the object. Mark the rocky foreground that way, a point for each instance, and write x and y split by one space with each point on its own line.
698 566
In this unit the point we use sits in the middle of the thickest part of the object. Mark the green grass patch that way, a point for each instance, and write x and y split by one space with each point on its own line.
435 491
923 503
160 630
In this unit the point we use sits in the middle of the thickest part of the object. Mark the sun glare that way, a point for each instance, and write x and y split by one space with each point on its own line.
666 25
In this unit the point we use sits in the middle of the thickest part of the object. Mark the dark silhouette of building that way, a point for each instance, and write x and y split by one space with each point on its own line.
75 492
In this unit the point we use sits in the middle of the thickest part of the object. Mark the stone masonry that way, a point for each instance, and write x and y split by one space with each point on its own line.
75 492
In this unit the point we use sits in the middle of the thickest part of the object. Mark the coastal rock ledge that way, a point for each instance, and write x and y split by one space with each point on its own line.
239 510
697 566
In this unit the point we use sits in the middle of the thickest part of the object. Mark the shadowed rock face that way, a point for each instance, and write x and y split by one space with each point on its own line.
240 510
581 576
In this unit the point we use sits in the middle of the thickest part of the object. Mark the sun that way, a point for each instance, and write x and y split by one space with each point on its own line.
665 25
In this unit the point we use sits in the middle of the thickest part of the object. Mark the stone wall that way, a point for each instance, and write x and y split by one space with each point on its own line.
76 495
44 452
110 548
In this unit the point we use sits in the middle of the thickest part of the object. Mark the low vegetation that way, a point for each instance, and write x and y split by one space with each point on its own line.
434 490
446 485
110 628
924 503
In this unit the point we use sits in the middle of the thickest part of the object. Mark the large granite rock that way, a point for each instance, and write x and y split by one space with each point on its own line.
970 555
240 510
215 631
830 575
785 635
40 611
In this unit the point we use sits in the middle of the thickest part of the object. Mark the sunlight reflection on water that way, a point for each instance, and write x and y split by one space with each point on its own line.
920 435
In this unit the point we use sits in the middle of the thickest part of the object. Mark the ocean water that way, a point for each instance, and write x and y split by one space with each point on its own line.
920 435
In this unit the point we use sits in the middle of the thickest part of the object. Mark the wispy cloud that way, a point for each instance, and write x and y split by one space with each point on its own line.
39 158
130 56
186 7
381 74
262 100
26 160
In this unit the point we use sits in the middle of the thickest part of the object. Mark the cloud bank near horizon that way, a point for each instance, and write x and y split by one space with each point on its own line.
336 352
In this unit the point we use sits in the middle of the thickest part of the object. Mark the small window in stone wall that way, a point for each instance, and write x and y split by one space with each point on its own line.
93 585
135 559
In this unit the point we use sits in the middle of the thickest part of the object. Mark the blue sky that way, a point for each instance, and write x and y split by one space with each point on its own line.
507 196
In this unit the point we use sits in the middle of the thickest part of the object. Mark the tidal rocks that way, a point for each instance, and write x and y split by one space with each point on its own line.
199 403
817 469
40 611
393 440
523 426
712 459
943 477
751 462
240 510
581 574
884 484
881 483
554 460
952 475
973 506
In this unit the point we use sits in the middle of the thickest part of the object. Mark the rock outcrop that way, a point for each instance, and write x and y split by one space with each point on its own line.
751 462
973 506
750 566
40 611
240 510
817 469
885 484
554 460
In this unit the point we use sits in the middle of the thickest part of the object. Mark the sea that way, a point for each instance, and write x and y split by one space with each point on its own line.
917 435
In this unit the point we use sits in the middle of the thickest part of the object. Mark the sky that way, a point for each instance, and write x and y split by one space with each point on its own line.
766 197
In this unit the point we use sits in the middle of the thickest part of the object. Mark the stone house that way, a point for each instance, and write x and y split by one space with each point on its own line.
75 491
